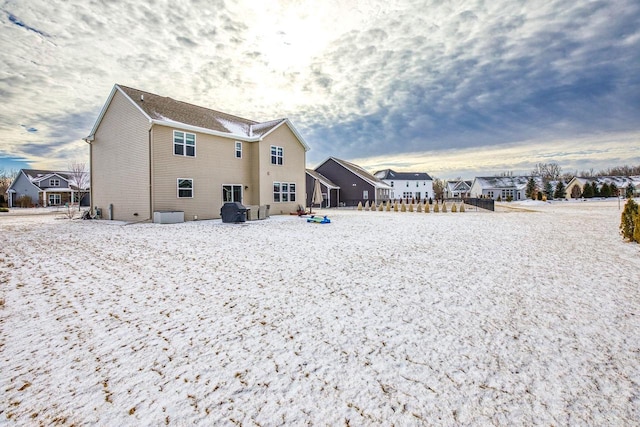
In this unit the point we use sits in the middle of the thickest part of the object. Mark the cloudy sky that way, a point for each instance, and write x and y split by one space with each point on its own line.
452 88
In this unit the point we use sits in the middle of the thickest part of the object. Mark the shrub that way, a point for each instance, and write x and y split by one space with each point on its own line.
25 201
359 206
454 208
436 207
4 209
628 220
427 209
636 229
462 206
444 207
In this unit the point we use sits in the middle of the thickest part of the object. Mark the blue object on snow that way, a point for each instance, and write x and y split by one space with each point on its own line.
318 220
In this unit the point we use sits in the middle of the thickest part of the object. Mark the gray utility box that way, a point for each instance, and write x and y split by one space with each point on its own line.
233 212
168 217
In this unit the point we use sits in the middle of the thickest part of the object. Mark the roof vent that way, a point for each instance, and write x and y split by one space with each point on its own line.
141 97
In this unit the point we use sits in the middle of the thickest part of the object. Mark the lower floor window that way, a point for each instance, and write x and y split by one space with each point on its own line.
232 193
284 192
54 199
185 187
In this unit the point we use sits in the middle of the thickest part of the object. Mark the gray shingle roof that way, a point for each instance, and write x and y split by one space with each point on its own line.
323 179
404 176
170 110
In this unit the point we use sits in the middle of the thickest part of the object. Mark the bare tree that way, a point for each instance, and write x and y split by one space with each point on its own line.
438 188
6 178
548 171
79 179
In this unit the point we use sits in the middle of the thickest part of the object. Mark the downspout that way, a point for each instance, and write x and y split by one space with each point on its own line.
88 141
150 175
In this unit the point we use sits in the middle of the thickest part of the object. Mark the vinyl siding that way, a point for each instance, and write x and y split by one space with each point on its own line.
213 166
351 185
23 186
292 170
120 162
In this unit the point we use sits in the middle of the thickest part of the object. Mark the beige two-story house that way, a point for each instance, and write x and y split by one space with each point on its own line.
151 153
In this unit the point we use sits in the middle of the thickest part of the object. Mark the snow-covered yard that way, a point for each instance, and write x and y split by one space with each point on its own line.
523 316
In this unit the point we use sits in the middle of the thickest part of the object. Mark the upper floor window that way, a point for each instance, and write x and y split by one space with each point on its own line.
184 143
185 187
238 150
277 155
54 183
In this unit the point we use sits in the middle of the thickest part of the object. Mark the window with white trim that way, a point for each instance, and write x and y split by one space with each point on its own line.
277 155
284 191
54 182
184 143
238 150
231 193
185 188
55 199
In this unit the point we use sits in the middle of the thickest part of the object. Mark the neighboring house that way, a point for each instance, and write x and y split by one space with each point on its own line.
330 191
151 153
575 187
502 187
356 184
457 189
407 185
33 187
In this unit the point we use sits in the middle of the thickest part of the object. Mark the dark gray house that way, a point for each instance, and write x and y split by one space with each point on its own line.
356 184
330 190
33 187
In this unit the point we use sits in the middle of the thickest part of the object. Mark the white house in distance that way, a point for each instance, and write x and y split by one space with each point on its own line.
502 187
407 185
575 187
457 189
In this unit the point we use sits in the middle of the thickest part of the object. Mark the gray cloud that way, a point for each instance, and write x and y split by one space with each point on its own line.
377 79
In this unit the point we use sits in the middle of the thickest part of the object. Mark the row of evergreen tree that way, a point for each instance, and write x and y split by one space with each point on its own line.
589 191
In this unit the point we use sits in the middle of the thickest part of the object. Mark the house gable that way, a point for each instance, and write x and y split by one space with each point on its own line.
353 181
133 146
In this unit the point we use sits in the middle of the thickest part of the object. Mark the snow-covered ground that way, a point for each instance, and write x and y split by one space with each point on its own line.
526 316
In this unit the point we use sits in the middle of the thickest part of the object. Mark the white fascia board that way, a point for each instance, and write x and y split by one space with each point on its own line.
364 178
184 126
26 176
293 129
50 175
115 88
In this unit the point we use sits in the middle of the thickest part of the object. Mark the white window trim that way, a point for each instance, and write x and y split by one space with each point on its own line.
236 150
233 185
281 156
289 192
57 197
178 188
54 182
184 144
